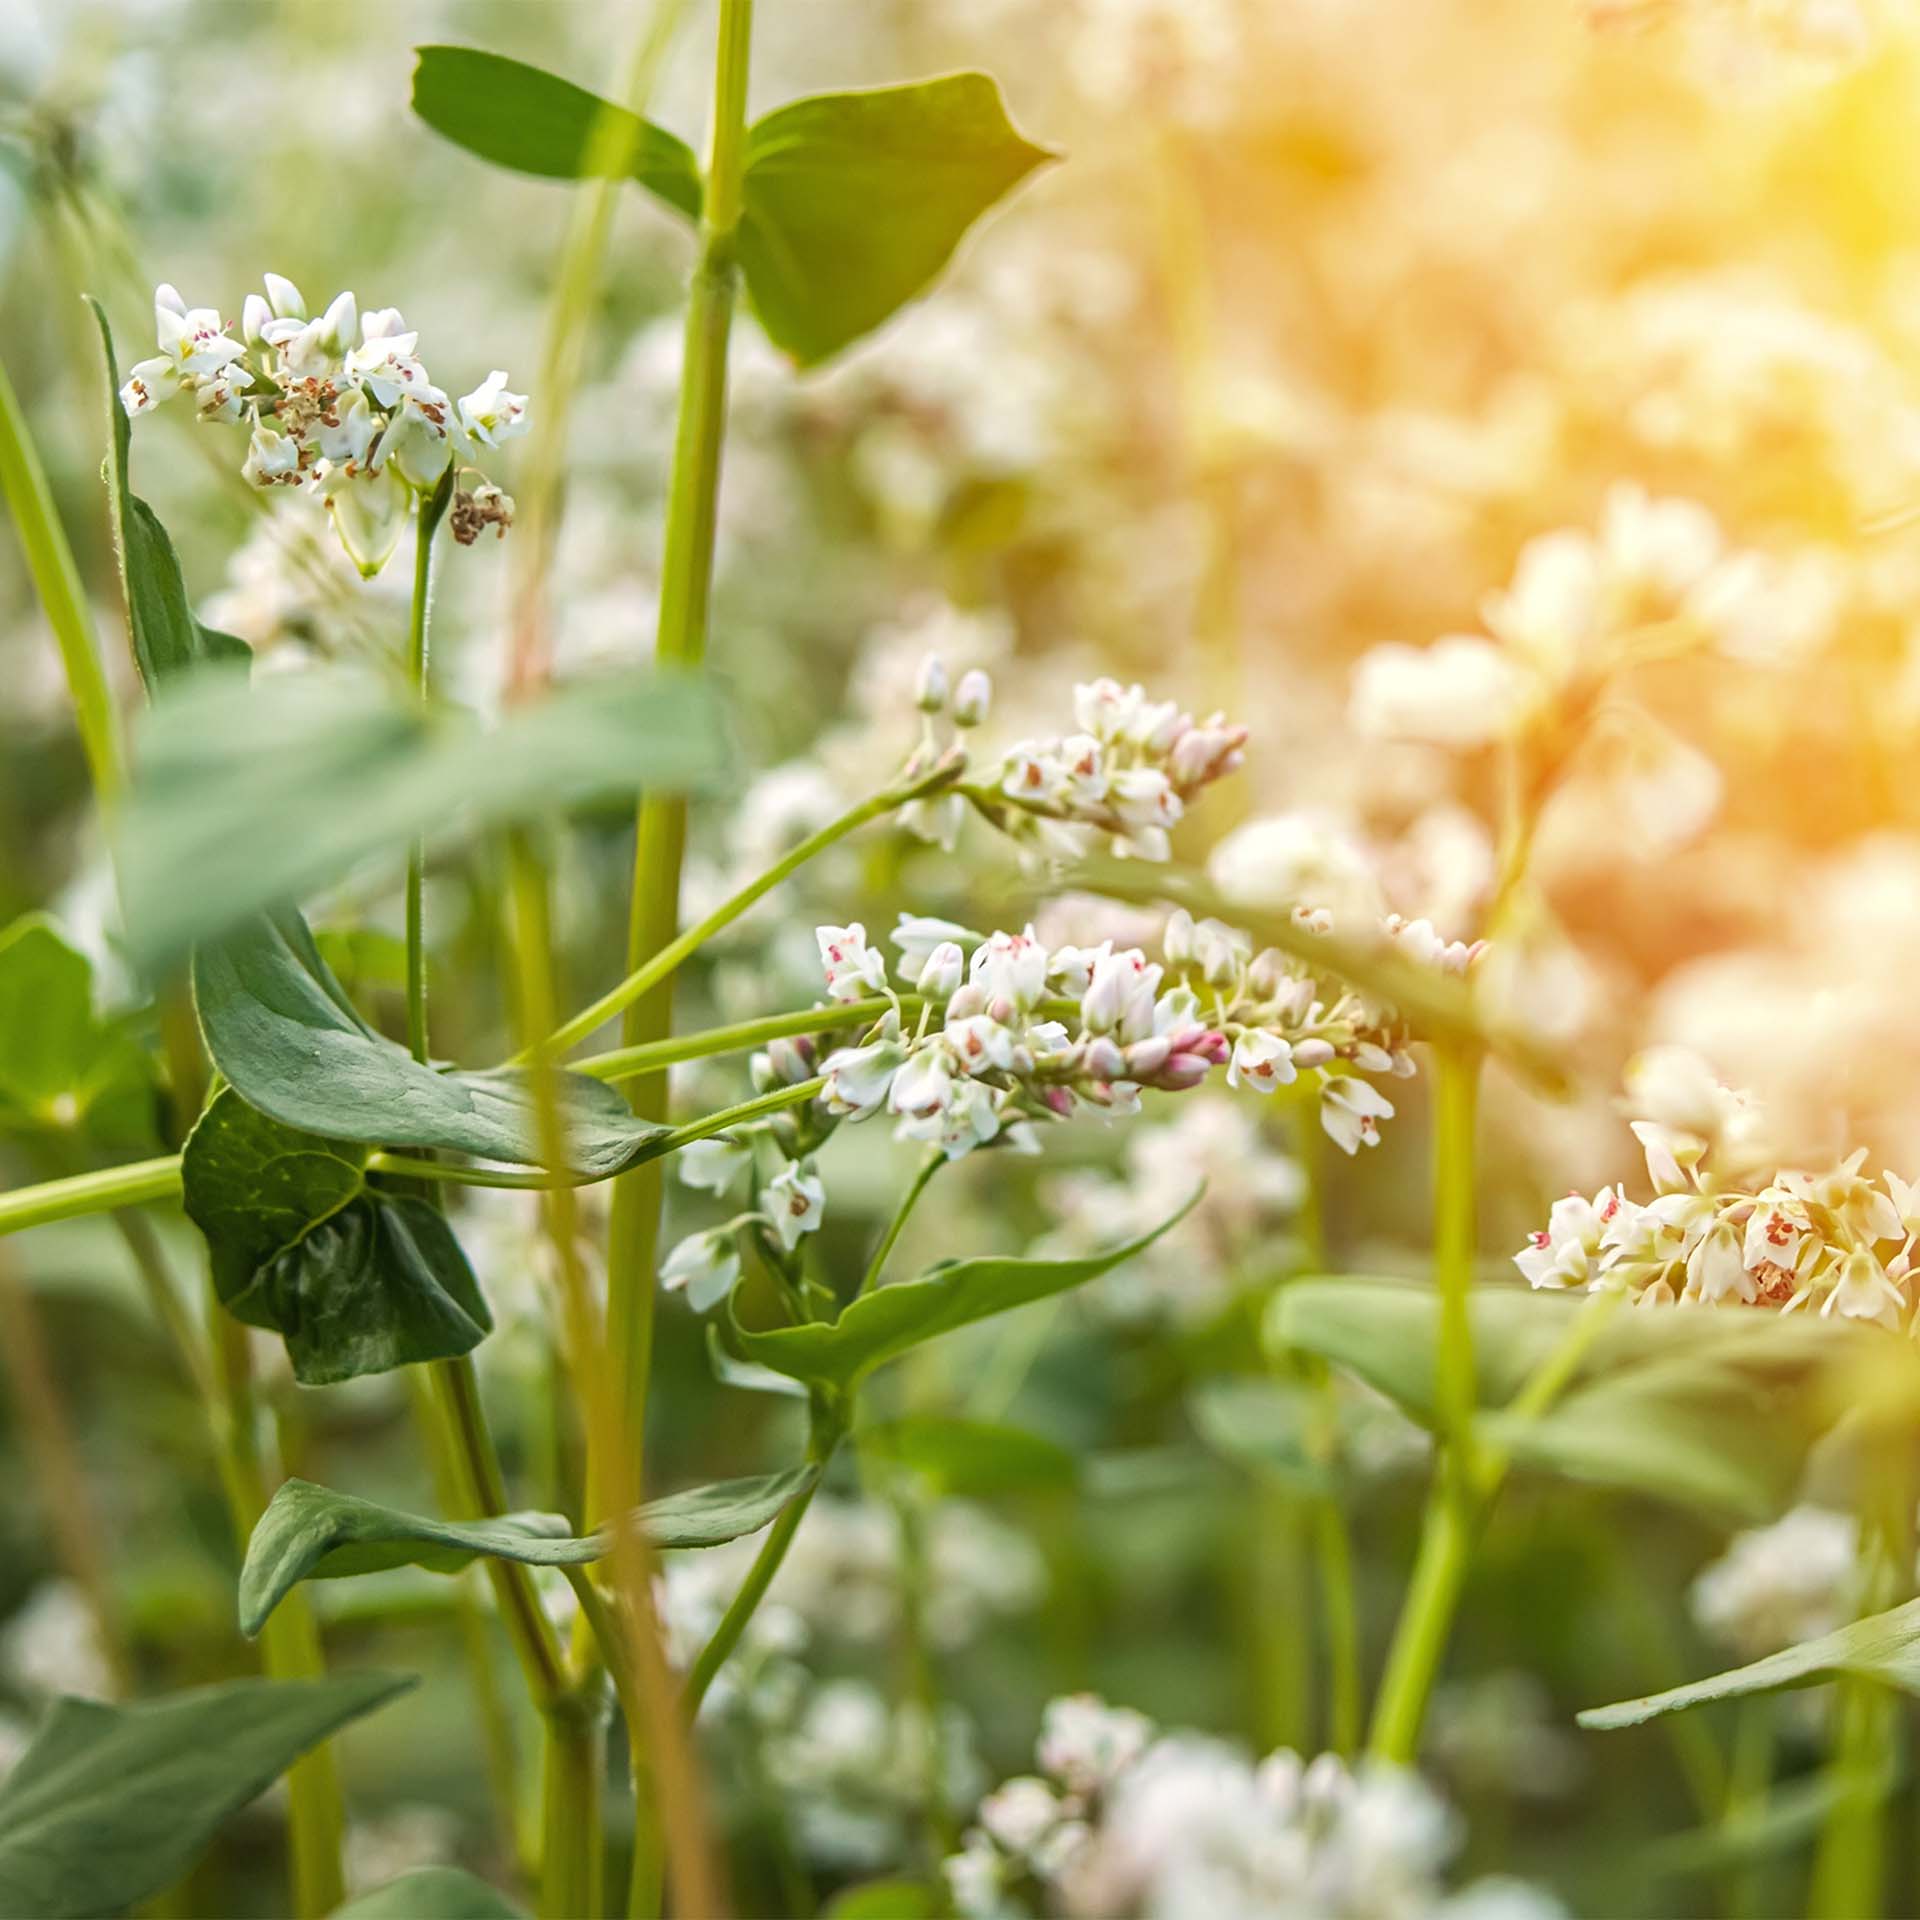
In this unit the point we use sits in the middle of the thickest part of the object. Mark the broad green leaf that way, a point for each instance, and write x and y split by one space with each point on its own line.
531 121
63 1068
282 1030
112 1803
1884 1647
972 1458
1264 1425
248 797
731 1372
1714 1410
314 1533
851 203
882 1325
353 1279
888 1900
432 1893
167 638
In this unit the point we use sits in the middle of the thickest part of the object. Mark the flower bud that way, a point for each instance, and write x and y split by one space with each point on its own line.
972 698
930 690
286 300
254 315
1102 1058
941 974
791 1061
1311 1053
1176 941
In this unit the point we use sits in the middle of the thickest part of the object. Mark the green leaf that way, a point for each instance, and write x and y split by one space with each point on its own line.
247 797
1713 1410
851 203
1789 1817
531 121
432 1893
973 1459
314 1533
283 1031
64 1069
1883 1647
112 1803
1264 1425
353 1279
167 638
888 1900
882 1325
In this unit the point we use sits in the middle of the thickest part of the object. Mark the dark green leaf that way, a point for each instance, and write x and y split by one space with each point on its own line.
972 1458
1884 1647
112 1803
532 121
64 1069
354 1280
247 797
853 202
1715 1410
882 1325
313 1533
283 1031
432 1893
167 638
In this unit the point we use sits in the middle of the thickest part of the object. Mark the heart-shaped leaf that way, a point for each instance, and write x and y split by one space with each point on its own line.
112 1803
314 1533
246 797
851 203
167 639
64 1069
353 1279
282 1030
1884 1647
432 1893
1714 1410
882 1325
971 1459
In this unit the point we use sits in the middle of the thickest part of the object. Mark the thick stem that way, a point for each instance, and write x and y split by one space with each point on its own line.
23 483
99 1192
572 1868
1426 1618
680 641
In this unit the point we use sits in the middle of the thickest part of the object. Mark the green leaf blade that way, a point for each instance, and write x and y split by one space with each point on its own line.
432 1893
110 1804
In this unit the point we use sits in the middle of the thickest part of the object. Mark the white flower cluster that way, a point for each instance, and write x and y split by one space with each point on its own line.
1127 771
340 405
1579 608
1122 1821
1717 1233
1777 1586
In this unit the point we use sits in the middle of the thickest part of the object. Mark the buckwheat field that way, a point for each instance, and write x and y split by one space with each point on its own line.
960 959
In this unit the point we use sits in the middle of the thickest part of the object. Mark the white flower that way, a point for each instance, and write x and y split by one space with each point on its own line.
1351 1110
1461 692
1086 1744
1120 995
490 414
1261 1060
945 967
858 1077
924 1085
1567 1252
918 935
1717 1270
1863 1292
1020 1813
793 1202
1663 546
714 1166
414 446
972 698
704 1266
1779 1585
313 349
979 1042
969 1119
854 970
1550 613
1011 970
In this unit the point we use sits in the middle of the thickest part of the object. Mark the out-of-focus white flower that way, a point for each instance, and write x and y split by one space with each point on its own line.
1087 1744
704 1266
972 699
490 414
716 1166
1777 1586
1460 692
51 1645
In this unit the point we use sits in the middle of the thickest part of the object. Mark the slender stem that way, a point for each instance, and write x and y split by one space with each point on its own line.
23 483
931 1165
923 1679
629 1063
726 1636
680 641
1335 1556
98 1192
667 959
1456 1099
426 522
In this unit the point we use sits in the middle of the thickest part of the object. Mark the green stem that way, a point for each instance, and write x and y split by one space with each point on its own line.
1335 1557
677 951
426 522
23 482
629 1063
573 1870
99 1192
928 1168
1426 1617
680 641
1456 1102
726 1636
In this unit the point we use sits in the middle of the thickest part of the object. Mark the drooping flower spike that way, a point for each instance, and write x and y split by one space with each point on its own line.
339 406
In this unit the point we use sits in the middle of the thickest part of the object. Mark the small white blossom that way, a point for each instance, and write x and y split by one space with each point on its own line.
793 1202
715 1166
704 1266
1351 1110
854 970
1262 1061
